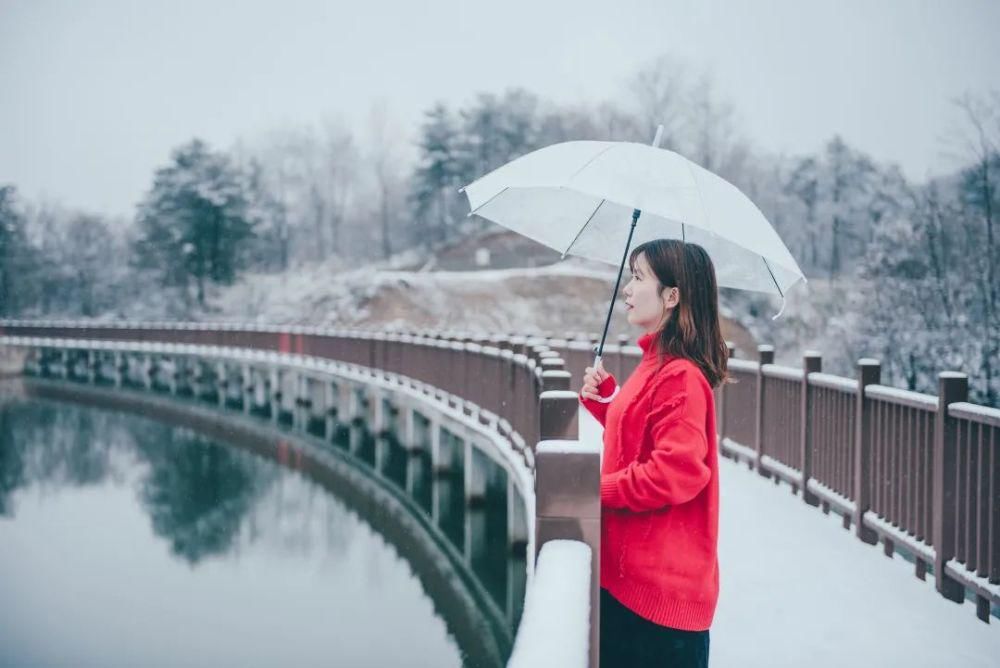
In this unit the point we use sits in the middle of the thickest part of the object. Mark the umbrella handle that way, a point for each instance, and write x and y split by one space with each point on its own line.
605 400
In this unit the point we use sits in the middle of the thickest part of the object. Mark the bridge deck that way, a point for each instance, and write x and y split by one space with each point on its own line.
797 589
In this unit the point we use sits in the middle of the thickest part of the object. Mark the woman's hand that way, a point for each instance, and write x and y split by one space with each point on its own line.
592 377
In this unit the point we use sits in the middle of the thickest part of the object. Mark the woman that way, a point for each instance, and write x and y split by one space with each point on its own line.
659 474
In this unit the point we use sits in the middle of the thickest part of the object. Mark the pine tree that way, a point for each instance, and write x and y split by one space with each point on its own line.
195 222
436 179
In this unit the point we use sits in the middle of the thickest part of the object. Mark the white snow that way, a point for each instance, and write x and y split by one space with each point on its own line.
832 497
739 449
897 395
984 413
903 539
555 626
781 469
783 372
799 590
958 567
736 364
563 447
833 382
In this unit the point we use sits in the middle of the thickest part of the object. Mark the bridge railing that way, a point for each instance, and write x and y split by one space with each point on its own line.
918 472
503 375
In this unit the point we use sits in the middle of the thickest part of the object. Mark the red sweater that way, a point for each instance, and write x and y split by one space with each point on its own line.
660 492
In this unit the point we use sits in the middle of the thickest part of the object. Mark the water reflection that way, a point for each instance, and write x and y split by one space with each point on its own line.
202 554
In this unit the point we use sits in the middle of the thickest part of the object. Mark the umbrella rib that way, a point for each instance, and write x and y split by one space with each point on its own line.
489 200
587 164
582 228
704 209
772 276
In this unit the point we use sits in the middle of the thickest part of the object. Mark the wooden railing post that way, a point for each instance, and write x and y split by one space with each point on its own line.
558 413
812 362
765 355
723 393
952 387
869 373
620 371
567 494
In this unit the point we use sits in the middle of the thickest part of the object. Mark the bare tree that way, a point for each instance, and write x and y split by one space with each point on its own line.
337 181
979 140
387 163
658 94
711 136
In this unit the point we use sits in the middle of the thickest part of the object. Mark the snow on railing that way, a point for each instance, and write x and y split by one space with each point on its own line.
555 626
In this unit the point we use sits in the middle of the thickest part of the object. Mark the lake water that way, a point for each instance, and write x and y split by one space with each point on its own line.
128 542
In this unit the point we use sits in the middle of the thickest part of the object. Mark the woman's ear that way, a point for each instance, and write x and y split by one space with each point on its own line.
671 297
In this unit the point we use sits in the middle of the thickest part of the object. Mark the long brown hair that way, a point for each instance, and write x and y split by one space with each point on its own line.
692 330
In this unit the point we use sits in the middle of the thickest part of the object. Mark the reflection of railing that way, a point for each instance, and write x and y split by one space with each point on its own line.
464 476
414 508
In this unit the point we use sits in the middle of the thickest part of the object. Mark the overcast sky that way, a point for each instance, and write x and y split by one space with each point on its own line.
95 94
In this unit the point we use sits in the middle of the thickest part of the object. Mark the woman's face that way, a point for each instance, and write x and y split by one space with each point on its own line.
645 305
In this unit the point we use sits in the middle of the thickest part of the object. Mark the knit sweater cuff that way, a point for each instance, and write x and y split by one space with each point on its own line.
610 496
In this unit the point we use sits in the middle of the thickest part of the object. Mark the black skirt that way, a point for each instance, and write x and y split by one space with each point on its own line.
629 640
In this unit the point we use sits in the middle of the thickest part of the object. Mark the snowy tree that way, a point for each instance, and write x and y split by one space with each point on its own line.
337 178
710 134
86 263
803 184
926 307
438 174
495 130
385 162
979 190
194 222
92 257
304 180
18 259
659 96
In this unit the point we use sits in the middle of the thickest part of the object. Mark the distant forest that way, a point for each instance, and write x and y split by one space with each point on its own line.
924 257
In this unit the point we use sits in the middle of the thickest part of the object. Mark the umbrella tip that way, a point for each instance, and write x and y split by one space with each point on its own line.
781 310
658 137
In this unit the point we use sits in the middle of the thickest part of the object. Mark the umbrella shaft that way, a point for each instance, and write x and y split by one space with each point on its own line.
621 269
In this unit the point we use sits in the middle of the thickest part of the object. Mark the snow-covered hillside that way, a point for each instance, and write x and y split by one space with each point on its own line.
564 298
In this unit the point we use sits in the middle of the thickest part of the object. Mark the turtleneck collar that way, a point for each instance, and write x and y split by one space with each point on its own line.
648 344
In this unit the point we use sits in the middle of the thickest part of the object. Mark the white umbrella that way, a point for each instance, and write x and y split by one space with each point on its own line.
579 196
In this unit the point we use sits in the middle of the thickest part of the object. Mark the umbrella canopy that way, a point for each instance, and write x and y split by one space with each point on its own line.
579 197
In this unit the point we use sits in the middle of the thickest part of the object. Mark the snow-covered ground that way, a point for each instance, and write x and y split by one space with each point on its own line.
799 590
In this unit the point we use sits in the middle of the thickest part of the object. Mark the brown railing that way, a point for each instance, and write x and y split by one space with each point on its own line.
920 473
502 375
